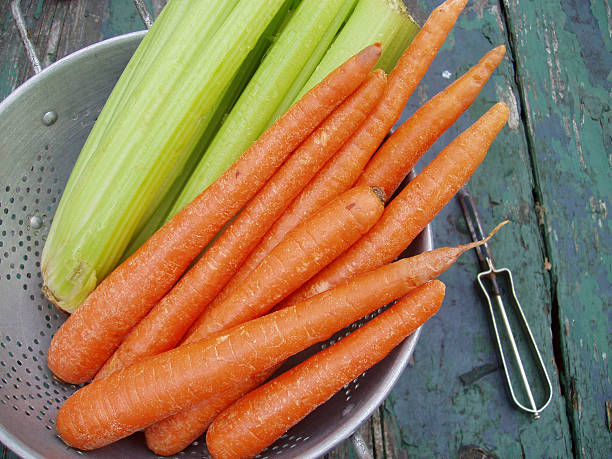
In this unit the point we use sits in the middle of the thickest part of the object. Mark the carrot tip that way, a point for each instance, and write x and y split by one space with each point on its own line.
503 109
439 285
493 232
457 3
500 49
374 50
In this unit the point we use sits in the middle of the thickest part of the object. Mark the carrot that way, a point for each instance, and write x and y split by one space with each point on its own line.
263 415
402 150
168 321
89 337
303 253
137 396
406 216
175 433
344 169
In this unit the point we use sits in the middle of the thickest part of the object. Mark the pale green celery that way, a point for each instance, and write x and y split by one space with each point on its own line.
139 63
400 41
257 104
243 75
372 21
155 43
314 59
159 124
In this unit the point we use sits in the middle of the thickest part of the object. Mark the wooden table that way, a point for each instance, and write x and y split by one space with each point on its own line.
548 172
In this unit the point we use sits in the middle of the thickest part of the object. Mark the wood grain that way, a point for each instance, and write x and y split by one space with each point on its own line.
567 114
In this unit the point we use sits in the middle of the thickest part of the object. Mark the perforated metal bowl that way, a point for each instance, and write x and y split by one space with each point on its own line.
43 126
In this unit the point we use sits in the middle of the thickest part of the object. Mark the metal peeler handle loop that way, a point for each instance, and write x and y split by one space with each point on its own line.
496 304
494 294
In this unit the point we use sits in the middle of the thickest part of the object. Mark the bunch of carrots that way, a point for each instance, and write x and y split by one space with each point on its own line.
177 346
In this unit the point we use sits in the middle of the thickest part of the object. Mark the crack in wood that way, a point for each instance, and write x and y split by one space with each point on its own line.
538 198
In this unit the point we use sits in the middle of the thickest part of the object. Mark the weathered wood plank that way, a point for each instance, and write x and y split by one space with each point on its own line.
58 28
567 108
453 401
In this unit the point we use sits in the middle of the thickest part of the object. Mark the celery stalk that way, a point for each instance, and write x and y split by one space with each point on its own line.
315 58
146 140
243 76
398 44
257 104
138 65
372 21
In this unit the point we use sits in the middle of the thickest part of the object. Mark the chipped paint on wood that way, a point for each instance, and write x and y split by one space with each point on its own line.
569 134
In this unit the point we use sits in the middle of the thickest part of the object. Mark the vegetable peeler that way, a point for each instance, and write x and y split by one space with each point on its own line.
489 280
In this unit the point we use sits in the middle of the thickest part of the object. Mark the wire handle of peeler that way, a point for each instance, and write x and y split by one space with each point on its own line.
485 256
492 274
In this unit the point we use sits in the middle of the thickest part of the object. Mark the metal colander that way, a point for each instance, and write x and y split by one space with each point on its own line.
43 126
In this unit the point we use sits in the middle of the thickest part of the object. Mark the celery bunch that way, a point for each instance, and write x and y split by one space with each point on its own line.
320 35
304 45
208 78
152 122
285 61
384 21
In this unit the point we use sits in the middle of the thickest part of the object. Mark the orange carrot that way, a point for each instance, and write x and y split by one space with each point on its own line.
168 321
175 433
406 216
402 150
89 337
344 169
303 253
137 396
263 415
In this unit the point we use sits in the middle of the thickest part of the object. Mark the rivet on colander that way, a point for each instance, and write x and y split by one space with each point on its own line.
49 118
35 222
